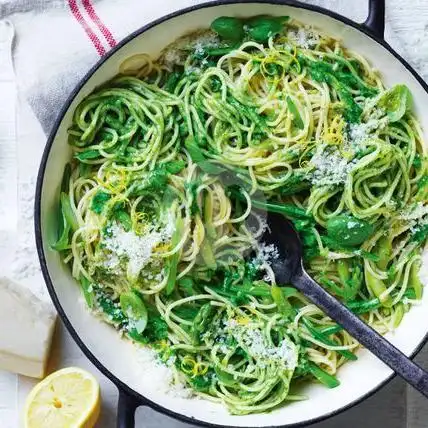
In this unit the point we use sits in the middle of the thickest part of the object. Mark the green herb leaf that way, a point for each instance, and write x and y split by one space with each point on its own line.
63 242
202 322
325 378
88 292
68 212
172 81
352 110
65 184
157 179
348 230
262 27
99 201
124 219
201 383
297 119
172 262
229 28
135 309
283 305
421 234
199 158
396 101
87 154
110 308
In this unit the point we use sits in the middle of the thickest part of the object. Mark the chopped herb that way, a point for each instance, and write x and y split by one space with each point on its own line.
99 201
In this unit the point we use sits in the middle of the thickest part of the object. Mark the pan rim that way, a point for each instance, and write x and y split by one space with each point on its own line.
123 388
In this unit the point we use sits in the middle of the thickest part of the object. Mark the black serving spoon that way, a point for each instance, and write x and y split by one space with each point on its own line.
288 269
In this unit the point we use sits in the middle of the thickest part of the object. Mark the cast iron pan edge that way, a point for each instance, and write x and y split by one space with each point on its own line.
130 400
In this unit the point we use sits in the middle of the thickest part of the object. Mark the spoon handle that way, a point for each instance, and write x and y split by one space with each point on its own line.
366 336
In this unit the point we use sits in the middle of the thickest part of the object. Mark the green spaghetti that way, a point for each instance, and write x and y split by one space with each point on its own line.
177 160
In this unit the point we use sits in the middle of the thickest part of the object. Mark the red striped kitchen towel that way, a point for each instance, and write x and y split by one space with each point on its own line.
57 41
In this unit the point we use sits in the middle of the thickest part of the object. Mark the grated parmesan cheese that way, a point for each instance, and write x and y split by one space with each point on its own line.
257 230
137 249
252 338
304 38
415 213
199 49
175 53
330 168
203 41
112 264
417 225
423 271
172 56
169 228
192 70
416 217
265 254
359 133
351 224
161 375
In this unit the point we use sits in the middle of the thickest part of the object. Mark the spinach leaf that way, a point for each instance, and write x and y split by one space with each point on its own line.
87 154
134 308
202 321
322 71
110 308
172 262
199 158
229 28
99 201
396 102
202 383
155 330
295 184
297 119
172 81
192 187
260 28
157 179
348 230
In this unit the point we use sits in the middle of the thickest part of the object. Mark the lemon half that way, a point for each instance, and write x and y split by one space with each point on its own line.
68 398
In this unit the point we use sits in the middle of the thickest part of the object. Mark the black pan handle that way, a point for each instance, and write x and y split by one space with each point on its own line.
126 408
375 22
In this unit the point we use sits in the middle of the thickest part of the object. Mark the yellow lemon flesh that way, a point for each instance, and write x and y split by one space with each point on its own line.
68 398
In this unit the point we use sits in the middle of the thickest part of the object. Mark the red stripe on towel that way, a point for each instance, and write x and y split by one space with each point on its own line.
92 36
96 19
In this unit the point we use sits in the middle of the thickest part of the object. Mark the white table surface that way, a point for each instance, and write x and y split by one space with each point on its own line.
395 406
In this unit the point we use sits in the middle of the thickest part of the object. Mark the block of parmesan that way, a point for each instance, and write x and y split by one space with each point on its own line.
26 327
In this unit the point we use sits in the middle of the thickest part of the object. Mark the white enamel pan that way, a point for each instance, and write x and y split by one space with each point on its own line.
116 357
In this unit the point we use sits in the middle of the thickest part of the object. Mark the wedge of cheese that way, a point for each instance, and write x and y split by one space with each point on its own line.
26 327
